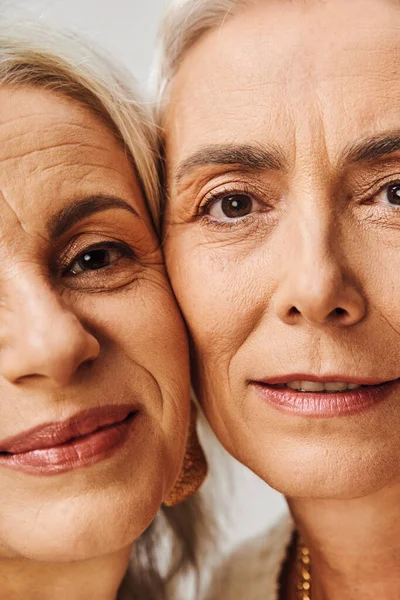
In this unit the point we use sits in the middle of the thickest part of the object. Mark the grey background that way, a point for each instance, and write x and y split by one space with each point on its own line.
127 28
244 505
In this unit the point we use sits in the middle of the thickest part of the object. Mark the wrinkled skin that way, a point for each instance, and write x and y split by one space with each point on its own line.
72 339
320 235
295 107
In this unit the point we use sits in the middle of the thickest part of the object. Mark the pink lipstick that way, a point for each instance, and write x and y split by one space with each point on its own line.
324 397
86 438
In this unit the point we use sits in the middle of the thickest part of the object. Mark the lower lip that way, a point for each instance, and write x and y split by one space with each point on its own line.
75 454
324 405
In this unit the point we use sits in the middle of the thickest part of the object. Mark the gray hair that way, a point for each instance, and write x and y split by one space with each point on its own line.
37 55
184 23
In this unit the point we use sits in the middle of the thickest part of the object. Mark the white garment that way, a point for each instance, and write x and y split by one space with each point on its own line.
252 571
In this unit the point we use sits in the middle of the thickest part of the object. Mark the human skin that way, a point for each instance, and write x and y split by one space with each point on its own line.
306 281
70 342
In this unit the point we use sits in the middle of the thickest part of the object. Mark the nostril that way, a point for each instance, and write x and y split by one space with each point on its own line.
31 377
86 364
339 315
293 312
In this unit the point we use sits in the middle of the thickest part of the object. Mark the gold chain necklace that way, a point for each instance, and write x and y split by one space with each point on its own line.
303 572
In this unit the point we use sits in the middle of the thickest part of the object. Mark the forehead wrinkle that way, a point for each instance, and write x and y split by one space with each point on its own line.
292 24
73 165
82 167
36 116
18 221
30 124
40 174
372 72
49 148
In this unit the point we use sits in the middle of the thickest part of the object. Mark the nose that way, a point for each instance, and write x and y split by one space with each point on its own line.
317 286
43 339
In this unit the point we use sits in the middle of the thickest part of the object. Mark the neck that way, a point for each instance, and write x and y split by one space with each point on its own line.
98 578
354 545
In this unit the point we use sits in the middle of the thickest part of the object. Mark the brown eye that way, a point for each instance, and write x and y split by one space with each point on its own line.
393 194
97 257
236 206
233 206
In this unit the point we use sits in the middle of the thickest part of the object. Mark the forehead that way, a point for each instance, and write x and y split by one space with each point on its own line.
53 150
38 125
30 116
283 68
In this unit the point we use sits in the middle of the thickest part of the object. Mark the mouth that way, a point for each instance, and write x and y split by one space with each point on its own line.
87 438
322 397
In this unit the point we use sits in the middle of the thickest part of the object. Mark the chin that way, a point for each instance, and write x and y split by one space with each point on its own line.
323 472
85 514
346 457
80 528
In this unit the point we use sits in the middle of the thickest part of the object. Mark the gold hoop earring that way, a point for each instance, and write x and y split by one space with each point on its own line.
194 469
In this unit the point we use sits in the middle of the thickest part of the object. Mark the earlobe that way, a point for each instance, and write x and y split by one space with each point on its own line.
194 469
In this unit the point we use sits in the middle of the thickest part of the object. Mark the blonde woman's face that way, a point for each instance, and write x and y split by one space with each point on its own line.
283 239
94 382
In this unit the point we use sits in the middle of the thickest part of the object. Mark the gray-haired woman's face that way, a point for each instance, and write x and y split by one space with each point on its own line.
94 377
283 239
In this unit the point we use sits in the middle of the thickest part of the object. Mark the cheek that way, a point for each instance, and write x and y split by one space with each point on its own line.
145 323
221 291
146 343
204 289
378 266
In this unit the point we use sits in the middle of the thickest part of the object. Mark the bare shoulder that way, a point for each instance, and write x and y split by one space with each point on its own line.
251 572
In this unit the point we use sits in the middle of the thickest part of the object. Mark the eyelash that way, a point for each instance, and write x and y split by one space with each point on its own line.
380 187
213 197
126 251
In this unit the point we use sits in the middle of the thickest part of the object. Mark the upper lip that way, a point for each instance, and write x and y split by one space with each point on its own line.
51 434
322 379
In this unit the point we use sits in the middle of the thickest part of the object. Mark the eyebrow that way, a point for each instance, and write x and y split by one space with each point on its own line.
245 156
373 148
255 158
78 210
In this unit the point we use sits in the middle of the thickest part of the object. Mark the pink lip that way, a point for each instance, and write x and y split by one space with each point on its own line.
321 379
84 439
325 404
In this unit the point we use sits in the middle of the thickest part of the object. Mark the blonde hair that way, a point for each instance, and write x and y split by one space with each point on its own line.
37 55
33 54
